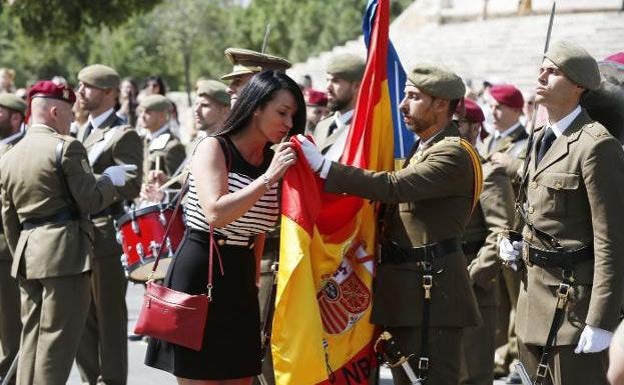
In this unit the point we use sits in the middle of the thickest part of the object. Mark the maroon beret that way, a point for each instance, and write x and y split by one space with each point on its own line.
315 98
48 89
472 112
616 58
507 95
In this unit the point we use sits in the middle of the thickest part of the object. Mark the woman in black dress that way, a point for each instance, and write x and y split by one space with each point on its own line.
232 186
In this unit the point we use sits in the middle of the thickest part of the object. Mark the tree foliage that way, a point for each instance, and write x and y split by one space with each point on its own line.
179 40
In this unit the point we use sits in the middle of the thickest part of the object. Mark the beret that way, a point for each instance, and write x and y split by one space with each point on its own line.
472 112
48 89
437 82
315 98
346 66
246 61
100 76
12 102
213 89
575 63
507 95
155 102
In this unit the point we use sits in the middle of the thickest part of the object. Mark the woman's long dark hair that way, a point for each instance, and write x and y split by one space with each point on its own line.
260 90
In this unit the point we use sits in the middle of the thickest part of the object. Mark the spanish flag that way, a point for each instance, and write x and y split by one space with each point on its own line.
321 330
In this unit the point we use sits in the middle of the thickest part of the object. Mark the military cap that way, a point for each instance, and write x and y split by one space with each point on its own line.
507 95
246 61
100 76
12 102
575 63
472 112
315 98
213 89
437 82
155 102
346 66
50 90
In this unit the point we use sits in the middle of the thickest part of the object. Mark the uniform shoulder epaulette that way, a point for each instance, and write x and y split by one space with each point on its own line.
596 130
452 139
67 138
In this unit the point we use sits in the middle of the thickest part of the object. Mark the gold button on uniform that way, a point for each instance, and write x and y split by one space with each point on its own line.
531 210
533 184
558 185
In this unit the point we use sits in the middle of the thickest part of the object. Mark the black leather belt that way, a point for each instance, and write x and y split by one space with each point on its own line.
472 247
393 253
562 259
59 217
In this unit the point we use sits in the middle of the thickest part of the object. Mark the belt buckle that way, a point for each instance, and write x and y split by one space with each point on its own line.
542 370
423 363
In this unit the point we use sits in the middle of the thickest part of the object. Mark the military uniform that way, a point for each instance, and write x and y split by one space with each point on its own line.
103 349
323 138
165 151
10 323
426 208
573 194
50 247
494 214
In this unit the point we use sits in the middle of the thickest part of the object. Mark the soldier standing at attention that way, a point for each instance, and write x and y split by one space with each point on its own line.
344 75
12 110
571 240
421 276
103 353
163 150
48 190
494 213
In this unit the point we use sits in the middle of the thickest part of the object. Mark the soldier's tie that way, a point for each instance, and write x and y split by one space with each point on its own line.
331 128
547 141
87 131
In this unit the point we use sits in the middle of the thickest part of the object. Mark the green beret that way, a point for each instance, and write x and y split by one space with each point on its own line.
155 102
213 89
12 102
347 66
100 76
575 63
246 61
437 82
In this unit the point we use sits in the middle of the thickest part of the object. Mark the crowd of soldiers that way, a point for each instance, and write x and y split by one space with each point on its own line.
495 249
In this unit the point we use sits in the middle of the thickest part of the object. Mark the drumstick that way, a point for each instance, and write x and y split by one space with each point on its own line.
179 178
157 167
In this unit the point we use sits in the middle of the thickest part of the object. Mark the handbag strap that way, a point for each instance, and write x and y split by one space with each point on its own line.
163 241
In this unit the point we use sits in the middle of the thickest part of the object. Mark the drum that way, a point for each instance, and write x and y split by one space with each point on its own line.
140 232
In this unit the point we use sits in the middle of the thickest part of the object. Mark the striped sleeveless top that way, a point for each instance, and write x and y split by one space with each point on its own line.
260 218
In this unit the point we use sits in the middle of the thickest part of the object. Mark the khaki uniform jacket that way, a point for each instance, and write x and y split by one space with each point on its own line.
168 148
575 194
5 254
113 143
494 213
513 145
32 189
321 138
429 200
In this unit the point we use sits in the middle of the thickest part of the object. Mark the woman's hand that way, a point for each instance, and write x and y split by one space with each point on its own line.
283 158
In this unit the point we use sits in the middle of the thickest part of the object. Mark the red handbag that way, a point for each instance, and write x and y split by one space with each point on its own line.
174 316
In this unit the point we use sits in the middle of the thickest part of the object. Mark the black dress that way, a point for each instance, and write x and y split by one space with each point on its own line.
231 344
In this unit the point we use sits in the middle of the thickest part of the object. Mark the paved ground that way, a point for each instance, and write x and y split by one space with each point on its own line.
139 374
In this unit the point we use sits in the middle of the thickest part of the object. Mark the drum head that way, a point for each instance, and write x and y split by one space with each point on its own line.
141 272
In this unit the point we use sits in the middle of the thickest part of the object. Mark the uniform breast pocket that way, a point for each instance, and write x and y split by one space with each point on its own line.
556 189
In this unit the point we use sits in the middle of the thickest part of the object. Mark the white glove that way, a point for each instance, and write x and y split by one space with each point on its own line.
593 340
313 156
118 175
509 252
